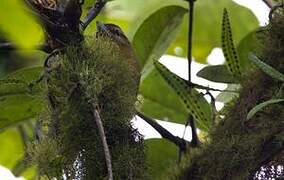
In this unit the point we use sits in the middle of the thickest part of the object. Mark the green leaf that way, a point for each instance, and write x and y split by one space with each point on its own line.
161 155
207 23
19 26
229 50
266 68
11 150
260 106
193 101
248 44
156 33
17 101
18 82
217 73
18 108
226 97
159 100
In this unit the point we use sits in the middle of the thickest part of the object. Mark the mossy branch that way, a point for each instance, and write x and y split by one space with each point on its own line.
93 13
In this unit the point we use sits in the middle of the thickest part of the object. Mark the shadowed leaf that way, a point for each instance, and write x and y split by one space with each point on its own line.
218 73
261 106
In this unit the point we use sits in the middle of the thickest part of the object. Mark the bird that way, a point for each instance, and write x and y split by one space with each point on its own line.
115 34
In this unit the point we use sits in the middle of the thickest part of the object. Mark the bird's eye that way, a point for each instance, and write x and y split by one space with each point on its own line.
117 32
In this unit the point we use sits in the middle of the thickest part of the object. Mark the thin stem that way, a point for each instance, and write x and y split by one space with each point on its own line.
93 13
104 141
197 86
190 30
181 143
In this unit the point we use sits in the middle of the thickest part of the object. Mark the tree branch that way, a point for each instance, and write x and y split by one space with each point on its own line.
269 3
181 143
93 13
104 141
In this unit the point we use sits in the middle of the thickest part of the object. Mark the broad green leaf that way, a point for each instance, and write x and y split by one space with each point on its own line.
18 82
260 106
19 26
26 74
11 148
217 73
193 101
229 50
266 68
156 33
30 173
159 100
206 31
160 156
248 44
207 23
226 97
18 108
17 101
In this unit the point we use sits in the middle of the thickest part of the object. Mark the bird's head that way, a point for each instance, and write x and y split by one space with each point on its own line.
116 36
113 32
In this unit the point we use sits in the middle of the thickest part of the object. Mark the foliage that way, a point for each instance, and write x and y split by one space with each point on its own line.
261 106
99 72
30 32
229 50
238 149
266 68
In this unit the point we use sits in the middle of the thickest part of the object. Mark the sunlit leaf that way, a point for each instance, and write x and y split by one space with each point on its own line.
156 33
248 44
261 106
11 148
159 100
228 47
161 155
17 101
217 73
194 102
19 26
266 68
207 23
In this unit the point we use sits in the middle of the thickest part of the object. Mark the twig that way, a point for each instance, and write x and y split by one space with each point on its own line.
190 30
269 3
93 13
181 143
7 46
197 86
104 141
